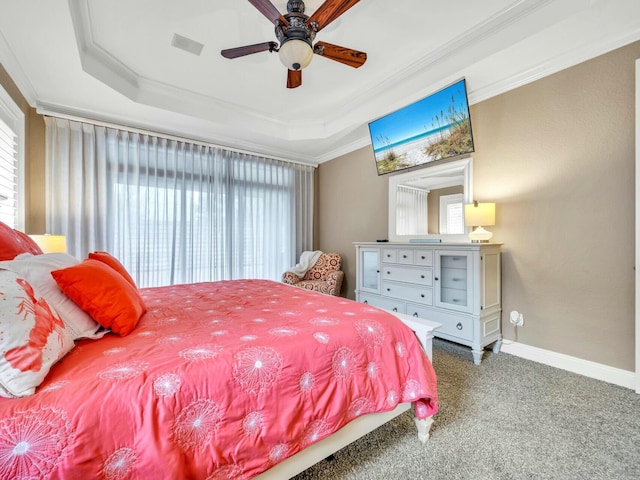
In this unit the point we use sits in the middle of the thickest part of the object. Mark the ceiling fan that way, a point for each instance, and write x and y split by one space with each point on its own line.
296 31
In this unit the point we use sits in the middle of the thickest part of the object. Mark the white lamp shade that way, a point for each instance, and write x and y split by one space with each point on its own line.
51 243
296 54
479 214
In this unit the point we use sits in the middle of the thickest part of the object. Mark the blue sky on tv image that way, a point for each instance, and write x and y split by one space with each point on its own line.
418 120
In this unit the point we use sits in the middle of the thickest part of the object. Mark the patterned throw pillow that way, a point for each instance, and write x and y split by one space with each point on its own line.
36 269
33 339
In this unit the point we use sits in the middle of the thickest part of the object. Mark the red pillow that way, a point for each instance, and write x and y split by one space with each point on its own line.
102 292
113 262
14 242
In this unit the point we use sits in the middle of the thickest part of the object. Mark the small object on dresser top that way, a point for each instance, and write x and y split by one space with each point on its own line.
382 241
425 240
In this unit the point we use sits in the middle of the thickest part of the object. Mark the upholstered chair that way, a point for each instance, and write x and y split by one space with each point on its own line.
324 276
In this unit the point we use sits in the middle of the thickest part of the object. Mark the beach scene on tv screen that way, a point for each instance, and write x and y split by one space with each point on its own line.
433 128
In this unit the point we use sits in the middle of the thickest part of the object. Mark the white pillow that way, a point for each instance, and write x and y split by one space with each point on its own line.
36 269
34 337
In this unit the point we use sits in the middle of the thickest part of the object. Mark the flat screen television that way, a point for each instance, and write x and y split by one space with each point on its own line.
434 128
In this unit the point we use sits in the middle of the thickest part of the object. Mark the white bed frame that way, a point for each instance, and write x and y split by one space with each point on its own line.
361 425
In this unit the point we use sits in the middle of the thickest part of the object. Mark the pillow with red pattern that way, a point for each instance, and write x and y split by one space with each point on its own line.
103 293
36 269
34 337
113 262
14 242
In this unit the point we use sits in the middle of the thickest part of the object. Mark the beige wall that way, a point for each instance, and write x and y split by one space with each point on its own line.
557 157
34 157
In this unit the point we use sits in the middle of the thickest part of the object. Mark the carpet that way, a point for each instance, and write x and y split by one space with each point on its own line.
508 418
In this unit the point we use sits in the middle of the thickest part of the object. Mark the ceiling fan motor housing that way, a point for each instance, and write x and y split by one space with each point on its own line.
296 30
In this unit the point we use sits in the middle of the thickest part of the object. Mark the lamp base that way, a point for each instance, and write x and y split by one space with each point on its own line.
480 235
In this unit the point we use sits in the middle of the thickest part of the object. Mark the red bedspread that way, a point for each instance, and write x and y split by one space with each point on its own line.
219 380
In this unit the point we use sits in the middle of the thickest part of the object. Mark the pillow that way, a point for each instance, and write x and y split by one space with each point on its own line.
13 242
37 271
103 293
113 262
34 337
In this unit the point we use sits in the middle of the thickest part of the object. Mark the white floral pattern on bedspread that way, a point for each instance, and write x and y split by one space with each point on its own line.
219 380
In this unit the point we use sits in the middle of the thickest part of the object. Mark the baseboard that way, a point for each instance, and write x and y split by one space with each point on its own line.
617 376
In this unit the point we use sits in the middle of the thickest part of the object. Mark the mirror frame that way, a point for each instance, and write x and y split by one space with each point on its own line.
464 166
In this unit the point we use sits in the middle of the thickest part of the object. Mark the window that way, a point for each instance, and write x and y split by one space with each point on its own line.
174 211
11 162
452 214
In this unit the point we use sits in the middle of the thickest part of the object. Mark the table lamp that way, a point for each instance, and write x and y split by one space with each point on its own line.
51 243
480 215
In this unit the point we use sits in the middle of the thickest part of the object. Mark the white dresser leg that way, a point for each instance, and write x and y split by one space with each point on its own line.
424 426
477 355
497 345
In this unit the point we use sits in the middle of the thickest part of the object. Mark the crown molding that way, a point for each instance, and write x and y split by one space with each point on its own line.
11 64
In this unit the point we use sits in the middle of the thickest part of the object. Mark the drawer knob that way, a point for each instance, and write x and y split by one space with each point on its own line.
422 295
459 326
415 314
366 301
388 289
388 256
421 276
388 273
404 256
423 257
436 279
395 309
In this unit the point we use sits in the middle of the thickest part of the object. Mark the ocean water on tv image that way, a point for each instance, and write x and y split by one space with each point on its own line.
433 128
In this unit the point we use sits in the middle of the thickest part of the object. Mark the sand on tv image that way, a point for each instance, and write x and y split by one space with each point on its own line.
434 128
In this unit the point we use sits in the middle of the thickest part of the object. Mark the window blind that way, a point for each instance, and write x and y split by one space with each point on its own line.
8 174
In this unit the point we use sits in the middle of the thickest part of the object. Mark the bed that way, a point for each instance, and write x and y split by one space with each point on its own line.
232 379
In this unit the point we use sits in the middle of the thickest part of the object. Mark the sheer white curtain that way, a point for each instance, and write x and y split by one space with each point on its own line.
173 211
411 210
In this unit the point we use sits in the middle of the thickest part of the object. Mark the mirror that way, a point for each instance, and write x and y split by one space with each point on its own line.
429 203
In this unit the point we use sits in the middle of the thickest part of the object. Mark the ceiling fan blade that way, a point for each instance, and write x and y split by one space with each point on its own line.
294 78
269 10
348 56
248 49
329 11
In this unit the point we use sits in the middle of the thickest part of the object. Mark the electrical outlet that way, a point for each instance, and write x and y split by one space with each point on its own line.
516 318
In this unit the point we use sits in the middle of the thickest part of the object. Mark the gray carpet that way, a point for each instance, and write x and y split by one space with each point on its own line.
508 418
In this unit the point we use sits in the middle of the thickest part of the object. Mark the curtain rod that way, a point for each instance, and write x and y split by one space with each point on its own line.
102 123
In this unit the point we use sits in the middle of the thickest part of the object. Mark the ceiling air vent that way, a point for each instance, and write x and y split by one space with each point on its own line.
186 44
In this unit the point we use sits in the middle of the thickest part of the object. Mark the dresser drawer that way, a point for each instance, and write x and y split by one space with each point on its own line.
454 296
409 293
454 278
382 302
454 261
423 258
389 255
405 257
453 325
421 276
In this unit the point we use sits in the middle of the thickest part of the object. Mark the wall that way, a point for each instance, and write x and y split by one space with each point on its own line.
557 157
34 157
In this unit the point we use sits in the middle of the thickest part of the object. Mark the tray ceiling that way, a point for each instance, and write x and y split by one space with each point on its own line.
114 61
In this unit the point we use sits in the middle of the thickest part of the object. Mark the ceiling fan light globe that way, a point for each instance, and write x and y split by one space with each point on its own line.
296 53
